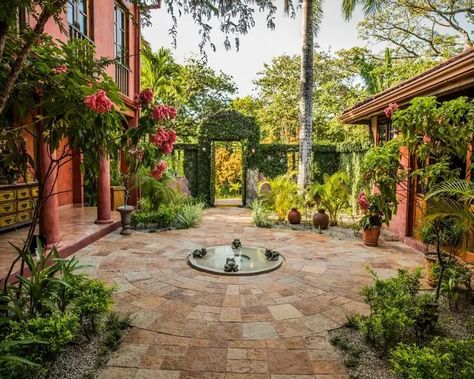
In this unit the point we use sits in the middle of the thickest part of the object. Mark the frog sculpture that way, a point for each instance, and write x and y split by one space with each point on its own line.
199 253
271 255
231 265
236 244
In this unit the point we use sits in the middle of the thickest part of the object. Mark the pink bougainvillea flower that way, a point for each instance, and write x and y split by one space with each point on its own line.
60 69
164 140
163 112
159 170
146 96
390 110
363 201
98 102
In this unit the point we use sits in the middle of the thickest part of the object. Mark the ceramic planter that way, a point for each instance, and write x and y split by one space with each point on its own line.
294 216
321 219
371 236
126 218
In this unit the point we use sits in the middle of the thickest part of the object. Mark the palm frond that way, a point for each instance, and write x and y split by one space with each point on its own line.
369 6
317 15
459 188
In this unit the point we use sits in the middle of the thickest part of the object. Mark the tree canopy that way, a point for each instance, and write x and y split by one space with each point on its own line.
421 28
335 88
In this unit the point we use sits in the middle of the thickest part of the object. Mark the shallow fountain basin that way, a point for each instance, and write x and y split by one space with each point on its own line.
251 261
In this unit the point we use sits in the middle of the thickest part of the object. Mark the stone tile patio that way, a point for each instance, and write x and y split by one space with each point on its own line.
189 324
77 229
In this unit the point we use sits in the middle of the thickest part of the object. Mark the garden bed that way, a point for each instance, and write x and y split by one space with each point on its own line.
85 358
345 233
364 361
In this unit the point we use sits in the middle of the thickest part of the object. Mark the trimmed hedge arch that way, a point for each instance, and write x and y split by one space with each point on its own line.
269 159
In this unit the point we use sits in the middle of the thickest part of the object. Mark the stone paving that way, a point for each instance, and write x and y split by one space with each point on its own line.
189 324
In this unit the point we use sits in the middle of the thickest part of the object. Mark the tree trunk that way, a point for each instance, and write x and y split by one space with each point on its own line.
20 61
306 96
3 36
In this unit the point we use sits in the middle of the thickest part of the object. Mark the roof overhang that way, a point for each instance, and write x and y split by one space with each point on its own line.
453 75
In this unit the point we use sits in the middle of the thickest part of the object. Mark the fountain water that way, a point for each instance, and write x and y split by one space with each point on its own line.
235 259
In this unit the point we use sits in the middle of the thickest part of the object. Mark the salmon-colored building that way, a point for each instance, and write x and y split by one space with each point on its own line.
114 29
449 80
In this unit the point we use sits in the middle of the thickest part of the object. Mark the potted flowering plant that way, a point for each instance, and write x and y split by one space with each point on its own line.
147 144
372 218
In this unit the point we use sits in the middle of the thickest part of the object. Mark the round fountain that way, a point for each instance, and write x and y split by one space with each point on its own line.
235 259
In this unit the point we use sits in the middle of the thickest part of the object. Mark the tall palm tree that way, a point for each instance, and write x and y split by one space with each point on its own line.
312 12
161 73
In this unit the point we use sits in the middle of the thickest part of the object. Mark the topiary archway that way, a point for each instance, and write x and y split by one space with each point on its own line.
226 126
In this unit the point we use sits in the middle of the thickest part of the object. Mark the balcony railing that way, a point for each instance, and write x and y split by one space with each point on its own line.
121 77
75 33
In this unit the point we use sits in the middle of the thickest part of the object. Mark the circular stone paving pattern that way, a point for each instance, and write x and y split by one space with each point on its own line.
192 324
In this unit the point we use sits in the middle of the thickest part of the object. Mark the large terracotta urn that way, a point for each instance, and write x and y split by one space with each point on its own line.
294 216
371 236
321 219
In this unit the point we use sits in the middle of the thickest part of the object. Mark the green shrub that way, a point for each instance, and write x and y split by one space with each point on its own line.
184 212
333 194
442 359
189 215
92 299
260 214
398 311
283 195
456 279
161 218
54 332
115 327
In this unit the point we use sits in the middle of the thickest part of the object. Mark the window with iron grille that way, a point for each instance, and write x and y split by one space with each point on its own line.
120 29
121 48
78 18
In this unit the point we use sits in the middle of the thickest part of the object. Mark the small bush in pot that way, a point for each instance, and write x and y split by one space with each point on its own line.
372 218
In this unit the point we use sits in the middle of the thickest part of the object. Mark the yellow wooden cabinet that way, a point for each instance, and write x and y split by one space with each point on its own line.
16 204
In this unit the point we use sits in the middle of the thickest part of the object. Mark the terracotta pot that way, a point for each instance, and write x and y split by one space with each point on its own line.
321 219
371 236
126 218
294 216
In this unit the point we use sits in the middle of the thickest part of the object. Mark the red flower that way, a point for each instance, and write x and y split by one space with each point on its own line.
98 102
390 110
363 201
146 95
144 98
60 69
163 112
165 140
159 170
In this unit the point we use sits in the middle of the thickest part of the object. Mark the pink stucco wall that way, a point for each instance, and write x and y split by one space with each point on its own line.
102 16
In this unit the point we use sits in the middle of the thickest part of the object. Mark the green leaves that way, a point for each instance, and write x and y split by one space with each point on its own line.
333 194
442 359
